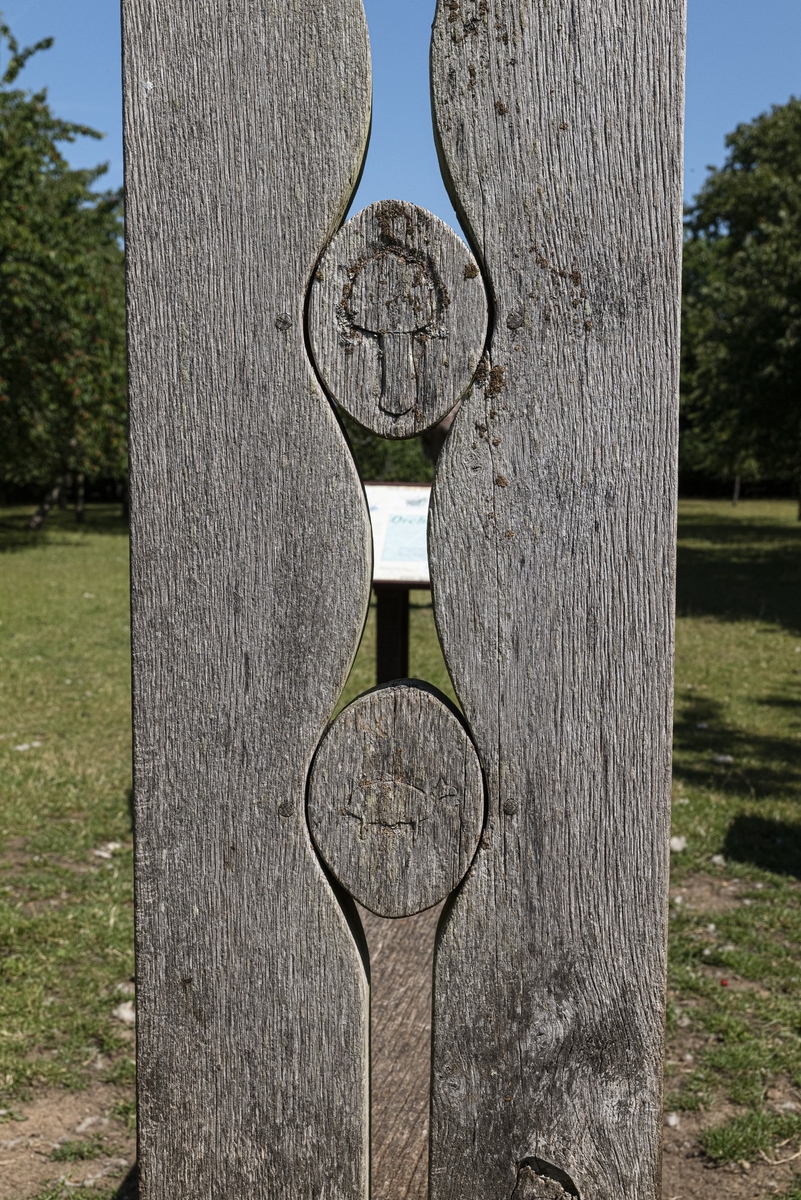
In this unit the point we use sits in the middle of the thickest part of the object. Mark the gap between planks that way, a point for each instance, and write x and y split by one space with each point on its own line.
401 970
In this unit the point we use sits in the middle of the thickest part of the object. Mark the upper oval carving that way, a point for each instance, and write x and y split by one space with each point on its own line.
397 318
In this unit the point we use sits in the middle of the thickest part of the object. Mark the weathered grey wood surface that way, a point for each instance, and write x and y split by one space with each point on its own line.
401 959
396 799
246 123
397 318
552 560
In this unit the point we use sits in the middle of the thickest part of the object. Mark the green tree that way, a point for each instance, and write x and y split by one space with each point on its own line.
387 461
62 299
741 336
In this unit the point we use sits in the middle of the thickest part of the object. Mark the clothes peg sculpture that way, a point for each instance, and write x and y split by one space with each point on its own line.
542 809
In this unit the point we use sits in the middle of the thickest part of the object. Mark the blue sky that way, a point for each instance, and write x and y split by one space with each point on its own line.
743 56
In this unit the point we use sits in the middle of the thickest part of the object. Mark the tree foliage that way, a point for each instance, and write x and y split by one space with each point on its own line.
387 461
741 345
62 302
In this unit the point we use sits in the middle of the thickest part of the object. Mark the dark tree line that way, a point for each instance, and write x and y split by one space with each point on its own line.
741 328
62 302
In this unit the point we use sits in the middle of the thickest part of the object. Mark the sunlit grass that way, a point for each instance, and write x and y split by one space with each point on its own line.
65 912
735 974
744 1137
425 654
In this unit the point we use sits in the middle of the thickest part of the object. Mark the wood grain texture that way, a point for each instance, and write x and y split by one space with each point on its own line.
397 318
401 960
552 563
246 124
396 799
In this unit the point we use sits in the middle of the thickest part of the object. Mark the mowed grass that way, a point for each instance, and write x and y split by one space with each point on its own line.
735 964
425 655
65 912
66 917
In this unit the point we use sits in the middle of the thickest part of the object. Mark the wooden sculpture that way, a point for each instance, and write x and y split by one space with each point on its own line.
541 810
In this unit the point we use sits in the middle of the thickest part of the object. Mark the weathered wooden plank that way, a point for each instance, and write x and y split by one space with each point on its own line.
401 960
396 799
552 558
397 318
246 123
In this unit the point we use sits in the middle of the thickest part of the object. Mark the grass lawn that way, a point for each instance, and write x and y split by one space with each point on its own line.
734 1021
735 954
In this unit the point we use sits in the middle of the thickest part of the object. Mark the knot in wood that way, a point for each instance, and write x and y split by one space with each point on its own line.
397 318
396 799
538 1180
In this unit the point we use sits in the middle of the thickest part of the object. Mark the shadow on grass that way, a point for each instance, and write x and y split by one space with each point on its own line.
781 702
60 528
739 568
762 764
772 845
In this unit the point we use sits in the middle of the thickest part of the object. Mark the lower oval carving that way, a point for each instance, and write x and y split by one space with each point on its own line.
396 799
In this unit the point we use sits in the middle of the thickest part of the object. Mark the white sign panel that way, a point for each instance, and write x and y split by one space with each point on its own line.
399 515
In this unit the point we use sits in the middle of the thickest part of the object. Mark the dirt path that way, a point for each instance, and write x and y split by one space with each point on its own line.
401 954
688 1175
31 1133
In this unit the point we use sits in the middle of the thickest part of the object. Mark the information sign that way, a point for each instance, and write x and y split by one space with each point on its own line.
399 515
